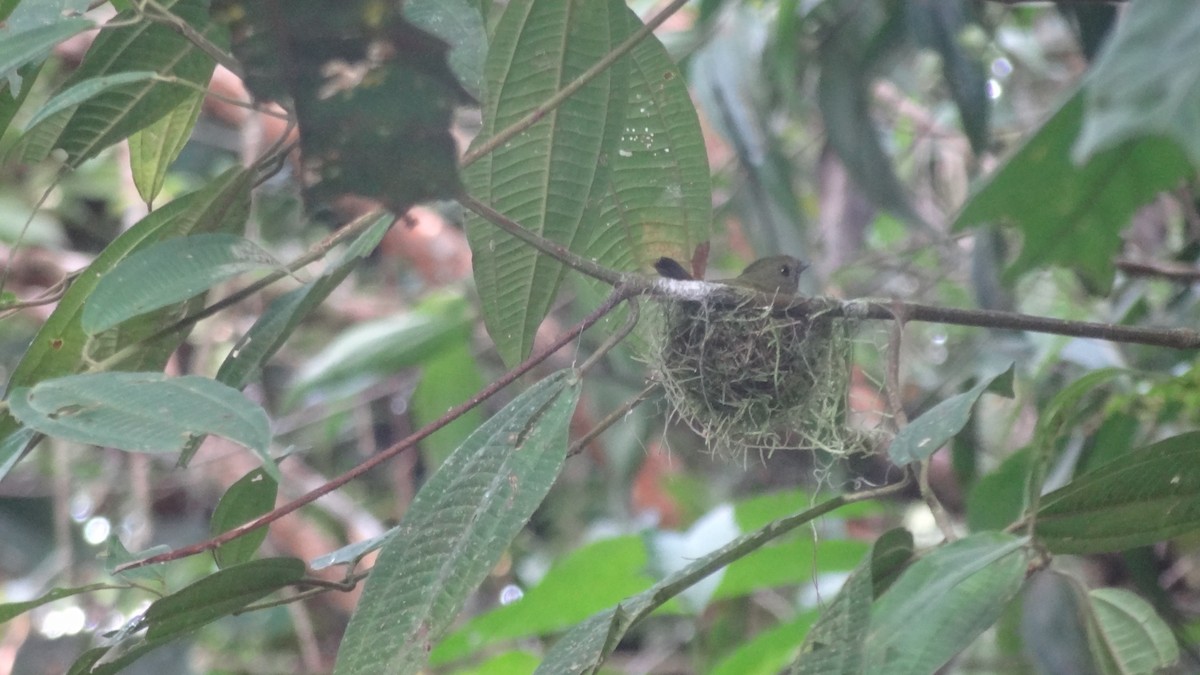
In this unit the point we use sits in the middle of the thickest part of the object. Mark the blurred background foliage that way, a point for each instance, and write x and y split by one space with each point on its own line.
865 136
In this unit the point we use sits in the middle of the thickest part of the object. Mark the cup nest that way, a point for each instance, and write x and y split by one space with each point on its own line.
744 376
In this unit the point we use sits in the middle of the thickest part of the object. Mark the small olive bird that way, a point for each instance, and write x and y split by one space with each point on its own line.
773 274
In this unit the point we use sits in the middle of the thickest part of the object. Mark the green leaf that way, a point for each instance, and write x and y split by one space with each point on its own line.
657 197
20 48
102 120
1128 632
943 601
169 272
543 177
1069 215
584 582
352 552
1144 83
116 555
11 448
141 412
924 435
250 497
941 26
219 594
457 528
74 95
11 610
153 149
59 346
1150 495
384 346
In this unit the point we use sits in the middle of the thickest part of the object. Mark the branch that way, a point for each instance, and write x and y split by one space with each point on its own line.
553 249
802 306
619 295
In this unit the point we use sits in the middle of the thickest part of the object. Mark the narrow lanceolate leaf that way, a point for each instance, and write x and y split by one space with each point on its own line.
657 199
59 346
1128 633
920 439
541 178
457 528
1152 494
153 149
167 273
10 610
1143 83
138 45
140 412
944 601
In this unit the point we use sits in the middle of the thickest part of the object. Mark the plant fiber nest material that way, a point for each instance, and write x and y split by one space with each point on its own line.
744 376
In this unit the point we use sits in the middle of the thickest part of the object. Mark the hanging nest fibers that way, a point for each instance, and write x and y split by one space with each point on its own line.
744 376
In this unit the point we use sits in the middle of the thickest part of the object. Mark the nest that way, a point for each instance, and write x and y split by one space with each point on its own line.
744 376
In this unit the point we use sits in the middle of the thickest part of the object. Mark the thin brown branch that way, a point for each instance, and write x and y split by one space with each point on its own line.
535 115
1169 271
619 295
610 419
550 248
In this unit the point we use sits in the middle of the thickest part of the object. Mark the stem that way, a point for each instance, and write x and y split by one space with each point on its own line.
550 248
159 14
618 296
610 419
535 115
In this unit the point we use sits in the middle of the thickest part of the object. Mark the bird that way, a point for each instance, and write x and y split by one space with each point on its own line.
779 274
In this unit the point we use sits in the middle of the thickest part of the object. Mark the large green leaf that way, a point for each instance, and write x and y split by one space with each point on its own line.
59 346
85 129
657 197
457 528
1145 82
943 601
1150 495
543 177
1072 215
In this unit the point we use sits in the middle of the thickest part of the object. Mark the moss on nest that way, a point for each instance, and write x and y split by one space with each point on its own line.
744 376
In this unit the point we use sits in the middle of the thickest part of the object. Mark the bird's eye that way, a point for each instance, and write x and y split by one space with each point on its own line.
785 270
